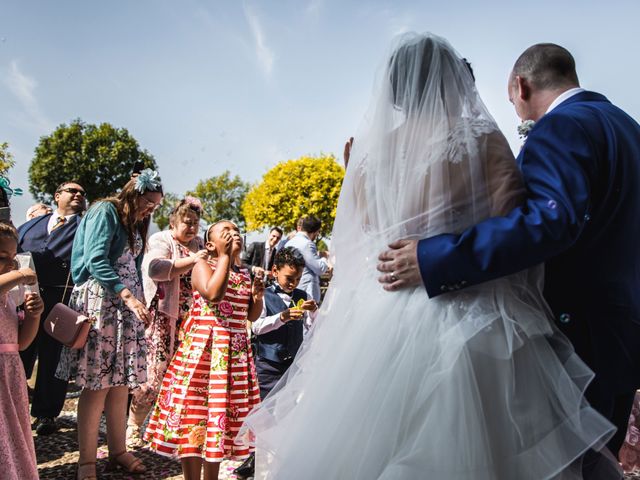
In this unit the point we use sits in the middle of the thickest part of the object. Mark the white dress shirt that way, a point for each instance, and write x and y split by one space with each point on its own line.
53 219
268 324
564 96
267 254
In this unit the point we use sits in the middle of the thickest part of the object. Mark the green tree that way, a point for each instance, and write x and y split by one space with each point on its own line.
101 158
222 198
6 158
161 215
295 188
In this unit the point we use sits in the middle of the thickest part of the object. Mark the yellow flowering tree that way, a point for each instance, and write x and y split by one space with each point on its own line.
295 188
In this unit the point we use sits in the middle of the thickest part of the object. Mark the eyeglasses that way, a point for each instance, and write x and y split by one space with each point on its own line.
73 191
149 204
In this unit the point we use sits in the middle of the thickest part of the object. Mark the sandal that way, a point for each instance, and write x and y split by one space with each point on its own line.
127 461
134 437
90 476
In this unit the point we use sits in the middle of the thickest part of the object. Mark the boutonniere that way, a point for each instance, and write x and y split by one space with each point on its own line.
525 127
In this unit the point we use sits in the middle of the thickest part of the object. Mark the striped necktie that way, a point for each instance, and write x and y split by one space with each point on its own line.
61 221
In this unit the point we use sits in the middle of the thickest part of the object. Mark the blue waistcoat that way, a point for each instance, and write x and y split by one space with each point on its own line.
51 252
282 344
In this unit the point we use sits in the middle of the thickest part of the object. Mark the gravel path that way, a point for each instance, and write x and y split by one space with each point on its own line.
58 454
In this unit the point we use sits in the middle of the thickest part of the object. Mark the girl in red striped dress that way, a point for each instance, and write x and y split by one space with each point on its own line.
210 385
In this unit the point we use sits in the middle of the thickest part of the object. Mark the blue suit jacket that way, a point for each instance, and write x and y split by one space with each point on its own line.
581 168
51 252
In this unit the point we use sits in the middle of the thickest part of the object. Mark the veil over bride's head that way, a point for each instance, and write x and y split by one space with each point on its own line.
419 164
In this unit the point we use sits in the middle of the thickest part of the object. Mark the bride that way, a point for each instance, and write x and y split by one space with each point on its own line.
470 385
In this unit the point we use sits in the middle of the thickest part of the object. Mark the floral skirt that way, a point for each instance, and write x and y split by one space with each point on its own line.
207 392
115 352
160 350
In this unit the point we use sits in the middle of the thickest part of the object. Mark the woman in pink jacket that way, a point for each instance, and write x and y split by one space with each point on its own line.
166 272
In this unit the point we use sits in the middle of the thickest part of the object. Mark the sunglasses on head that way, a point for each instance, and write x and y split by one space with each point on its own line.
73 191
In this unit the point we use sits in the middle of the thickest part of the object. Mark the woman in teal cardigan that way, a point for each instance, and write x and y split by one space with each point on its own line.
105 265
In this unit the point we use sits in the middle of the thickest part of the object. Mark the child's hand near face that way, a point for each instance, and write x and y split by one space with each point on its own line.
257 288
224 243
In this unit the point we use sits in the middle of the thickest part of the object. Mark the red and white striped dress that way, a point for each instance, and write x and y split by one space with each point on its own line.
210 385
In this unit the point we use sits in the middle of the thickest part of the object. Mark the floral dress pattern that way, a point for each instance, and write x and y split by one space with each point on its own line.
630 451
115 352
163 337
17 453
210 385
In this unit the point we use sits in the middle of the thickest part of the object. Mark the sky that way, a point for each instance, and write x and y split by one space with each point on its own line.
209 86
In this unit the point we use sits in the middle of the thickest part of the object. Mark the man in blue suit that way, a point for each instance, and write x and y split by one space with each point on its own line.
49 239
581 217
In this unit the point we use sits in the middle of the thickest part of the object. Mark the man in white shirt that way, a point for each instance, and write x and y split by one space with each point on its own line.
315 264
262 254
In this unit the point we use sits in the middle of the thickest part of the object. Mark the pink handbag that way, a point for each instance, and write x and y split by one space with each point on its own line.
66 325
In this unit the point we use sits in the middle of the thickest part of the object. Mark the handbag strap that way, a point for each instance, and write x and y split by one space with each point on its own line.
66 287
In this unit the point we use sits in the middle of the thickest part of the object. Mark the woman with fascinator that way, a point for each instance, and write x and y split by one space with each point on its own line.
166 273
105 265
474 384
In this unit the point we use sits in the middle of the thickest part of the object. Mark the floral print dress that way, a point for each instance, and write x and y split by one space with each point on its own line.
210 385
163 334
115 352
630 452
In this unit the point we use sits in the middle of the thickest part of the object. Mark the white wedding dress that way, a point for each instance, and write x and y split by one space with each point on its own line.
475 384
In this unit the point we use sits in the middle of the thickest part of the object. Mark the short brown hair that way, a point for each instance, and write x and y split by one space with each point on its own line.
8 231
182 209
547 66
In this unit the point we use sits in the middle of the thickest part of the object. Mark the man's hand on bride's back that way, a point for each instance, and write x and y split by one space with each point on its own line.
399 266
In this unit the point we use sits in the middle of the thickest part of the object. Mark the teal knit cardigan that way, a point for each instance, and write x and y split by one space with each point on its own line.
100 240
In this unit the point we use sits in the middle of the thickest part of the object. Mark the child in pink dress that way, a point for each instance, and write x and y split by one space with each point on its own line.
17 453
210 385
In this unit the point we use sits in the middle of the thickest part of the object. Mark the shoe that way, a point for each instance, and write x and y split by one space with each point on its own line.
134 437
126 461
46 426
248 467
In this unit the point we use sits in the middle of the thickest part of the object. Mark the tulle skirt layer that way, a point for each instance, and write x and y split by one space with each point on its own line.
474 385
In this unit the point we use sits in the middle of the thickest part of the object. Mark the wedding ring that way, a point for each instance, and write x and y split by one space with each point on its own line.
393 276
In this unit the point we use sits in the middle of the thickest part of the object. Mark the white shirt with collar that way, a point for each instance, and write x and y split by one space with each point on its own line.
267 254
266 324
564 96
53 219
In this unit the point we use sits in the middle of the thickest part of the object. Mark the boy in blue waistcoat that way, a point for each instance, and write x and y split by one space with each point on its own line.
280 328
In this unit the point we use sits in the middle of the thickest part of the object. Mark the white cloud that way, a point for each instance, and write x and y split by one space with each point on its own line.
264 53
23 88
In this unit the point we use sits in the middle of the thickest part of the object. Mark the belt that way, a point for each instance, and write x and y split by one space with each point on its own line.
8 347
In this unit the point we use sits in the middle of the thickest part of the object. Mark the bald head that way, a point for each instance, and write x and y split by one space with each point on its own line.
547 66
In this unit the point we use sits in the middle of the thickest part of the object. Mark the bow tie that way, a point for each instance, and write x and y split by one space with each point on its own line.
278 289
